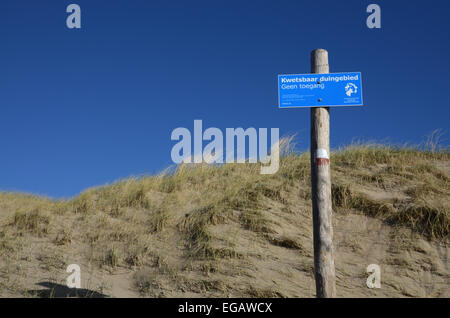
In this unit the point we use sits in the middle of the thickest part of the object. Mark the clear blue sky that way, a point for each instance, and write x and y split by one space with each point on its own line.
85 107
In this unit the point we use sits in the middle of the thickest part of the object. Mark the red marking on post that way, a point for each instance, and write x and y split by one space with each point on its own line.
322 161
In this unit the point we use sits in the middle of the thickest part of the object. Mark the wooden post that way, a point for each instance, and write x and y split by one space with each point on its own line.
321 189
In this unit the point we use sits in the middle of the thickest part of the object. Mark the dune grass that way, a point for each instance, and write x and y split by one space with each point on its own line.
241 187
153 221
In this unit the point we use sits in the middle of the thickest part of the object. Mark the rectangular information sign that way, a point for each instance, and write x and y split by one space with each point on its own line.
320 90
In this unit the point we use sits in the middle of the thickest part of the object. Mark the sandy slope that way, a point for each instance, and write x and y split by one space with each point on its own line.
192 237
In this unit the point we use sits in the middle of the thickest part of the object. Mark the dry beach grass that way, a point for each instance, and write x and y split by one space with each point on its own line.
228 231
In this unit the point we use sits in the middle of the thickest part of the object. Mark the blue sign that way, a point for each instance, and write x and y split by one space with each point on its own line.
320 90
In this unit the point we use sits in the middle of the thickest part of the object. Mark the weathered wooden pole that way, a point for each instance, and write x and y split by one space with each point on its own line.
321 189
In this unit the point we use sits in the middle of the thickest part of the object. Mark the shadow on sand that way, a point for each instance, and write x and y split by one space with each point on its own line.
54 290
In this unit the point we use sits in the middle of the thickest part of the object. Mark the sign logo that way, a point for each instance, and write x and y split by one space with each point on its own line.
350 89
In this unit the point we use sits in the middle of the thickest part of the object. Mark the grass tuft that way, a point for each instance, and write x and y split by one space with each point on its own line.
33 221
